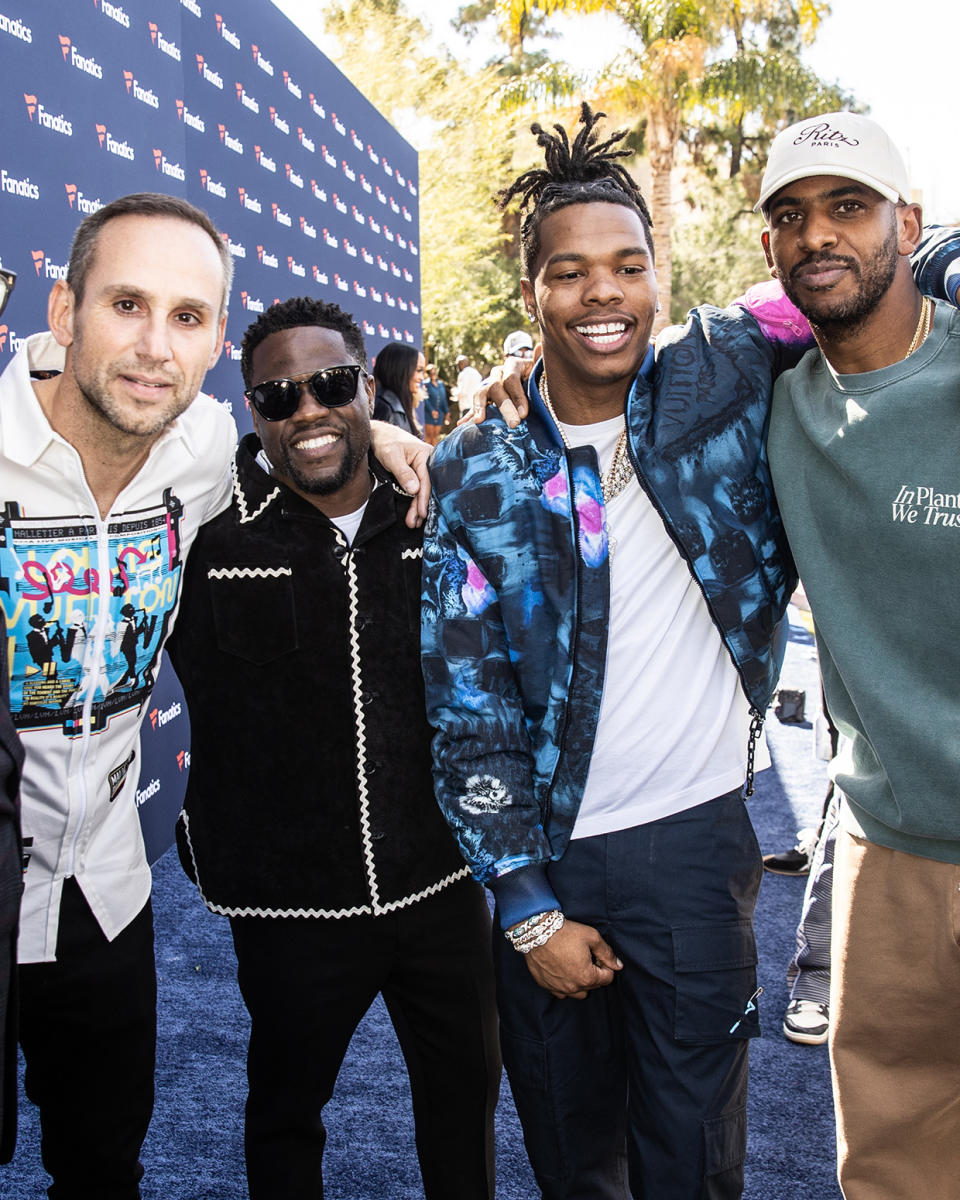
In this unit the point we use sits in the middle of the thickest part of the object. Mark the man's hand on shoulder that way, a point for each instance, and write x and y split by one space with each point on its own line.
573 962
405 457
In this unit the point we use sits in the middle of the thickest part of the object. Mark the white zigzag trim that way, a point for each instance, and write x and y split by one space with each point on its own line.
356 679
361 910
248 572
246 516
432 890
416 552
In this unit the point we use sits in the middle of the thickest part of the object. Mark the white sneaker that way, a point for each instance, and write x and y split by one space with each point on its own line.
807 1022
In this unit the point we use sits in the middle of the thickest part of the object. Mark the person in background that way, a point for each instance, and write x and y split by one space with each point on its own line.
320 838
518 344
11 877
398 379
468 384
437 407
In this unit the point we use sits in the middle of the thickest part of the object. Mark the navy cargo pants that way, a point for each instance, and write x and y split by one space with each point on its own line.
640 1090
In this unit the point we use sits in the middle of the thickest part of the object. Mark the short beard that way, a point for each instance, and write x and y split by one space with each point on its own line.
847 318
354 454
102 404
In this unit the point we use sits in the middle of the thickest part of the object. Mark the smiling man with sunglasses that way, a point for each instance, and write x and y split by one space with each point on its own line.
309 819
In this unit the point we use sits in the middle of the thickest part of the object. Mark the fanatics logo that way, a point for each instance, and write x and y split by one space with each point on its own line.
212 185
188 118
278 121
247 100
319 276
18 187
3 337
142 94
89 66
16 29
208 74
265 160
45 268
291 87
58 124
316 105
250 202
250 303
160 716
341 284
230 142
183 759
279 215
163 164
227 34
261 62
76 199
295 178
171 49
112 146
295 268
114 12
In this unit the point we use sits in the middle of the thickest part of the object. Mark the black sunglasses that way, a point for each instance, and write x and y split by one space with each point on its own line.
333 387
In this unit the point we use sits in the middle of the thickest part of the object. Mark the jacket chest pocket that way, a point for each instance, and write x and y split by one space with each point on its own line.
253 610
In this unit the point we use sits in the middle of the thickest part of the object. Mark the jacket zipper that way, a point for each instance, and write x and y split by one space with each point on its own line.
757 718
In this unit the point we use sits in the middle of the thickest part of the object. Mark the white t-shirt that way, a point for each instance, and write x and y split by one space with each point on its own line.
468 384
674 720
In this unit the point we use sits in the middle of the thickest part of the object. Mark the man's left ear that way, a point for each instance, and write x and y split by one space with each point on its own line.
909 227
370 385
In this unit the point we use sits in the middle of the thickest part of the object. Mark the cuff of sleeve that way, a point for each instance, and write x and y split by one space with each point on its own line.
523 893
952 282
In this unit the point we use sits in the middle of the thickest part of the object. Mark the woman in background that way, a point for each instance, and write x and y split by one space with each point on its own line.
398 374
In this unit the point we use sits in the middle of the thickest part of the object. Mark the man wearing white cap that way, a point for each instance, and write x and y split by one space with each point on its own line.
864 447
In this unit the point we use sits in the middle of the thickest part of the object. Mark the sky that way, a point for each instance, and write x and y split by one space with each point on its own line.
898 60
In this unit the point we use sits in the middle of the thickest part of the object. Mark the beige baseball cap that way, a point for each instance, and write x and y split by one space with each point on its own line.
842 143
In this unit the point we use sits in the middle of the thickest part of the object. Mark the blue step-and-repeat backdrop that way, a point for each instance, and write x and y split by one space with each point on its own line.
227 104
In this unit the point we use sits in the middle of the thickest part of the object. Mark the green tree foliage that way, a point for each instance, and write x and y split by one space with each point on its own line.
470 291
759 83
716 246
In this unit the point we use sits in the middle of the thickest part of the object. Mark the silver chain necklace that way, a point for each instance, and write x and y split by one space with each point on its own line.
619 473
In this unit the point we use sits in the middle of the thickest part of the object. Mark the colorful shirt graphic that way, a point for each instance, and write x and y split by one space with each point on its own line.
87 607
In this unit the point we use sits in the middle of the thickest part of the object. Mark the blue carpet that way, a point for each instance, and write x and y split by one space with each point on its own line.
194 1150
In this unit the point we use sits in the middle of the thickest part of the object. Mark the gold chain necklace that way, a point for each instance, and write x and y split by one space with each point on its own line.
923 325
619 473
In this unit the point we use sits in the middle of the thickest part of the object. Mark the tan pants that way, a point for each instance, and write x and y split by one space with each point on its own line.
895 1023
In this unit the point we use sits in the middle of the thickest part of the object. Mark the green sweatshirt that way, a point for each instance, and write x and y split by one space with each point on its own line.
867 472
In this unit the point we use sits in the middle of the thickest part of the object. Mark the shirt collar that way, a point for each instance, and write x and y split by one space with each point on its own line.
26 431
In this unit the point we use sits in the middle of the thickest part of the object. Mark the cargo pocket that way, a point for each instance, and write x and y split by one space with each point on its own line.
724 1150
716 978
253 610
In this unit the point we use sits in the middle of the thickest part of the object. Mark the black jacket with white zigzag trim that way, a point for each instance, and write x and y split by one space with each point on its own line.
310 790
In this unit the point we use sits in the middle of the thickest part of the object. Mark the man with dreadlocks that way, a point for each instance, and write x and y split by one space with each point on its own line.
604 588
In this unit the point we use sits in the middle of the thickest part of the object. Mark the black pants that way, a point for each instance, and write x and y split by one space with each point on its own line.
640 1090
88 1030
307 984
